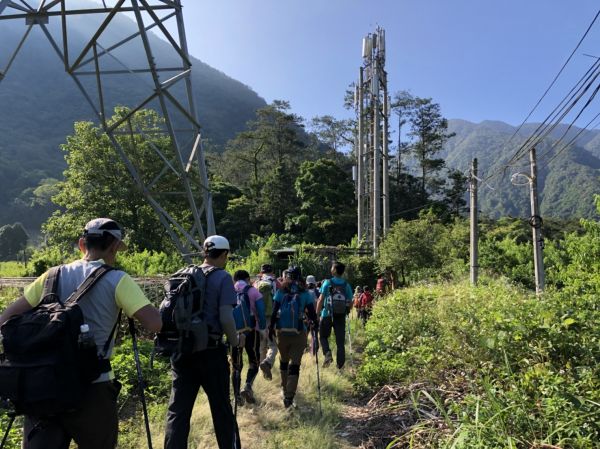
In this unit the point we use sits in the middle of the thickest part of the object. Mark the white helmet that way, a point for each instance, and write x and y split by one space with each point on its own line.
215 242
310 279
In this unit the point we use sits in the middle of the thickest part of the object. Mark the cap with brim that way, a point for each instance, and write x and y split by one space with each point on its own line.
99 226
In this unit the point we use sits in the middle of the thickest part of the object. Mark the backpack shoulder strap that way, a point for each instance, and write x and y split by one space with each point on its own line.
89 282
206 271
50 291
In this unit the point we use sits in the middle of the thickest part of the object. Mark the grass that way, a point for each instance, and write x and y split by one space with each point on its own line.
12 269
266 424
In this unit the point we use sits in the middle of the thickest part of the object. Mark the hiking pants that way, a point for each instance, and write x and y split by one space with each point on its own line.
252 347
93 426
339 329
208 369
268 348
291 350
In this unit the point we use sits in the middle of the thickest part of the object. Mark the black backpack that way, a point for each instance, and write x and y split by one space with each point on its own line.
184 329
43 370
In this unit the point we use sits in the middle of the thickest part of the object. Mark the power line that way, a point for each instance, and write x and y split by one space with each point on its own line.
517 154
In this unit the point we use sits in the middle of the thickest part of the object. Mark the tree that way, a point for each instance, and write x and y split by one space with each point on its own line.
263 162
328 204
454 193
97 184
13 239
427 133
336 134
410 247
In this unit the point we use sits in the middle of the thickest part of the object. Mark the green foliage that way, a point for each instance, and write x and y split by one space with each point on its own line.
409 248
360 270
101 186
13 240
157 379
149 263
44 258
528 367
12 269
327 213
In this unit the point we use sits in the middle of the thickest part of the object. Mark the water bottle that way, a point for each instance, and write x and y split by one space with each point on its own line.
86 339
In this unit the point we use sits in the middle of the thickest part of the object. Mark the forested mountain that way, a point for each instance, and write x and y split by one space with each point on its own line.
568 178
39 104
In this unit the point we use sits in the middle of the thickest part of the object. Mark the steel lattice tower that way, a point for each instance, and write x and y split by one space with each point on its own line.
169 90
371 149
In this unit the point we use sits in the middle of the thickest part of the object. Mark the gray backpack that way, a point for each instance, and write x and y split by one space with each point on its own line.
184 328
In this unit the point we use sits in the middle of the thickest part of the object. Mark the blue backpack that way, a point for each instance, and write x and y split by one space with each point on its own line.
242 312
291 315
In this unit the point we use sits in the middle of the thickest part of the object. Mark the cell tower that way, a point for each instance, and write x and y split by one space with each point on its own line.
372 173
168 90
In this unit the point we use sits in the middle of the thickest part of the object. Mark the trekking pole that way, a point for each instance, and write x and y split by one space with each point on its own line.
237 377
10 423
138 367
350 342
315 346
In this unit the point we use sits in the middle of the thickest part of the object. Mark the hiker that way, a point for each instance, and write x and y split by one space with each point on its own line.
290 304
94 423
335 302
381 286
366 304
209 368
311 286
356 304
249 295
267 284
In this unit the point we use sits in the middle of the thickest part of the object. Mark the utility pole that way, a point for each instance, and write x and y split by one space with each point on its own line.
474 225
536 225
386 163
360 157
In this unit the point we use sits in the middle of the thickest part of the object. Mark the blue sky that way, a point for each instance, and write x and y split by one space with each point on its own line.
480 59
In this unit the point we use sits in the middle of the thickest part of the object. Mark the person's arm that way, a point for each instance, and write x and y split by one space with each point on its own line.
130 297
227 300
320 303
18 307
149 318
310 312
228 324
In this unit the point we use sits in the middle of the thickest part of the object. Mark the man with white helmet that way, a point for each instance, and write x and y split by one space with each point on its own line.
208 369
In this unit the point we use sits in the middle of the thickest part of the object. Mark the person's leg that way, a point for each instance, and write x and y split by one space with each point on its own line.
339 329
283 343
271 352
324 334
237 361
95 425
253 350
296 352
186 383
44 434
214 377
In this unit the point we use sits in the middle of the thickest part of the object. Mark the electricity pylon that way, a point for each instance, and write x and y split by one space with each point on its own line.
167 85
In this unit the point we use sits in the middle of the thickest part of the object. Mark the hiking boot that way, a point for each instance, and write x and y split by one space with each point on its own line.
265 367
240 400
328 360
248 396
